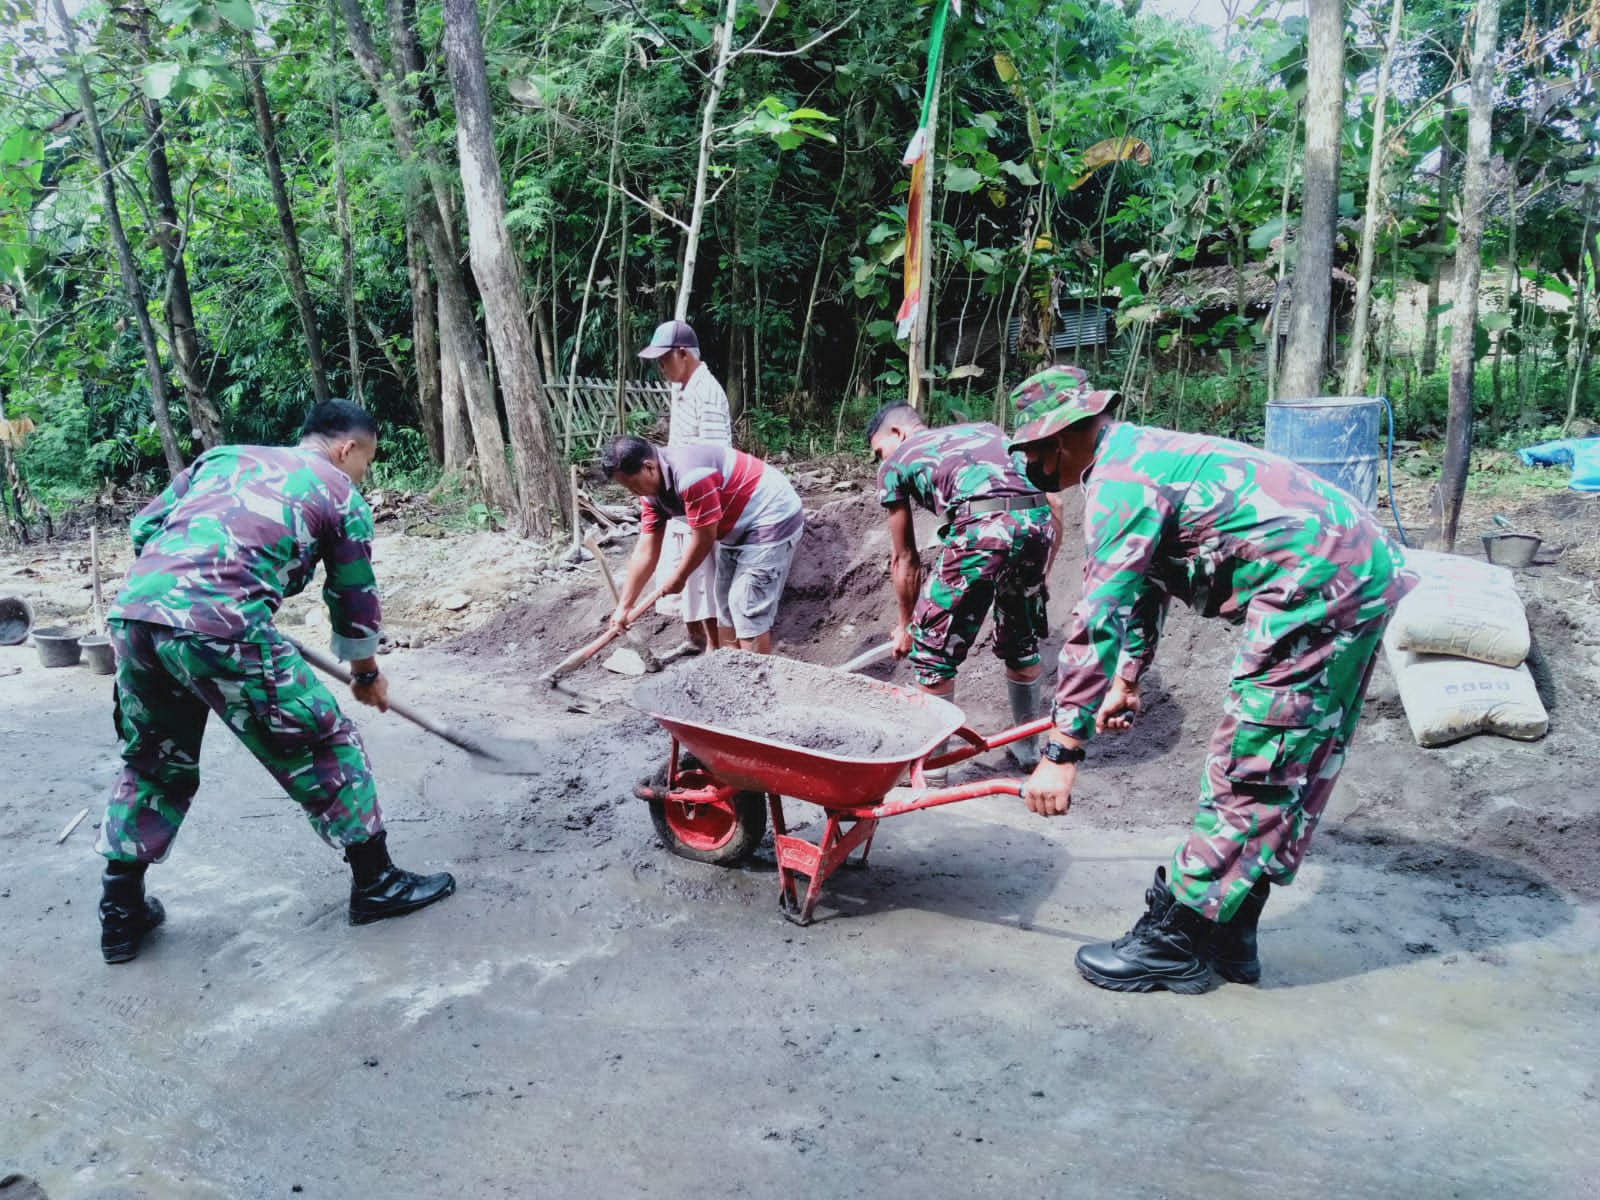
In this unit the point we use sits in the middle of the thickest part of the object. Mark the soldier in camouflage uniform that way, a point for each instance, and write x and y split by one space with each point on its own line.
997 542
215 555
1257 540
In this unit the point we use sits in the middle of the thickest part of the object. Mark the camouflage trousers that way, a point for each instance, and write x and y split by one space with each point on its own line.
169 680
1272 764
993 560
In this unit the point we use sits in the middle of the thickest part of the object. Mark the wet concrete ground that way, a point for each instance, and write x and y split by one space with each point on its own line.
591 1016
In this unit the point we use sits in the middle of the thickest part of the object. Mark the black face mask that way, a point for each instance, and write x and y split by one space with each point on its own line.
1042 480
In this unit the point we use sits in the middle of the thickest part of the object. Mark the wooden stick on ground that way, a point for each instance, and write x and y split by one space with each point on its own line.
94 575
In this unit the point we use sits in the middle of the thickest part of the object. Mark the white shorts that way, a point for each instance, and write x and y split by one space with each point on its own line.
750 581
698 600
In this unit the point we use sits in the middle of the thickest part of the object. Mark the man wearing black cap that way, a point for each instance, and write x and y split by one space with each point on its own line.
698 415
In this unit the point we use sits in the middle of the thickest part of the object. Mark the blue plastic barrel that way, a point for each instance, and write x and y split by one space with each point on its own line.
1334 437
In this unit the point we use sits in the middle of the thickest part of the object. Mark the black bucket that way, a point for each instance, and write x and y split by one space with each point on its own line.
58 646
99 654
16 618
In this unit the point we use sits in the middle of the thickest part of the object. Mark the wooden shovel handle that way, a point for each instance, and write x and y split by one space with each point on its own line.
578 657
332 666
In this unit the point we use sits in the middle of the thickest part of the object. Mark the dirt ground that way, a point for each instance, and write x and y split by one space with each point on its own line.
590 1015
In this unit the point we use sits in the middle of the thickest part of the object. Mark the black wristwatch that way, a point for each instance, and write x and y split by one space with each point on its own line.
364 678
1057 753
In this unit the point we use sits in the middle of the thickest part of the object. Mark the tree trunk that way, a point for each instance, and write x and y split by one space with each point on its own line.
286 230
457 427
11 488
1355 367
1278 287
1430 320
168 234
341 192
498 270
722 41
1305 355
457 329
1452 486
1578 344
131 286
425 343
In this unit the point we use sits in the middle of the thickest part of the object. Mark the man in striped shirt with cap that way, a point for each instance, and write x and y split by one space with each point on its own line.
698 415
736 506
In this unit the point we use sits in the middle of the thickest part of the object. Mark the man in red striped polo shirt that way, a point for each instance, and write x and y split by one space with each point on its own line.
736 506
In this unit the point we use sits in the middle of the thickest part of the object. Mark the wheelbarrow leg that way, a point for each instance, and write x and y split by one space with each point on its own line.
796 856
787 899
866 849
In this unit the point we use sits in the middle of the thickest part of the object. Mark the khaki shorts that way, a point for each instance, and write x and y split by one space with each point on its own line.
750 581
698 600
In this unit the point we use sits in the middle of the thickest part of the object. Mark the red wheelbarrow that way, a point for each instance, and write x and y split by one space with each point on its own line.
749 731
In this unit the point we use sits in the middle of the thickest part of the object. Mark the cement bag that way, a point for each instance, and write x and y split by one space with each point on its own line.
1462 607
1447 699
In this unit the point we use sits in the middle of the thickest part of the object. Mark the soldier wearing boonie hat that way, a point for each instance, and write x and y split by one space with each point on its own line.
1259 541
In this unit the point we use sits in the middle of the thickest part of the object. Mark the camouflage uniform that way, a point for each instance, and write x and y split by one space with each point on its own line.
215 555
1260 541
987 559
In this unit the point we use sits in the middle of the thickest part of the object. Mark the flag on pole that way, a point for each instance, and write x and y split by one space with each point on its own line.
916 157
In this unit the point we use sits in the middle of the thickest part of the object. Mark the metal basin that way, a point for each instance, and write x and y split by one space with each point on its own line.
1510 549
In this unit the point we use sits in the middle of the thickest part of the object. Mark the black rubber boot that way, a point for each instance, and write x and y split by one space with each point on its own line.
379 889
126 915
1024 699
1167 948
1233 946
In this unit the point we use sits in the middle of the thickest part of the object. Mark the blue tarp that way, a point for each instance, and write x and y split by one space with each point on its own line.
1581 454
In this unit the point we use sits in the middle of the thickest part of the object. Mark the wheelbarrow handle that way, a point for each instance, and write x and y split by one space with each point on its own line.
584 653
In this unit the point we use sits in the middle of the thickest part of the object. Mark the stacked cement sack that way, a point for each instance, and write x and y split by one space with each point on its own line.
1457 645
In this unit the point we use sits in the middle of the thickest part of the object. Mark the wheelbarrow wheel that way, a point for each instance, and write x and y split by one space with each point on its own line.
709 833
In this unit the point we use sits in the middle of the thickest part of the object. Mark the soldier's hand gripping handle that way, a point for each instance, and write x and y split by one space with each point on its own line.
368 685
1122 705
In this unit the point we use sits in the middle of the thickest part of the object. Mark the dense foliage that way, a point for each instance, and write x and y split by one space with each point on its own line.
1088 154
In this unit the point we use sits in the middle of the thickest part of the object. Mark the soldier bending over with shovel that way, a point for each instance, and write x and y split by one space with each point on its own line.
215 555
996 546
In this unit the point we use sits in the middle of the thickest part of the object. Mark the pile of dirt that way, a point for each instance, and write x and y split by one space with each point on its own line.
795 703
1531 802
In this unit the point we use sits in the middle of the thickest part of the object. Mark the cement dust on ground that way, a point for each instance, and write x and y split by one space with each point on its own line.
591 1016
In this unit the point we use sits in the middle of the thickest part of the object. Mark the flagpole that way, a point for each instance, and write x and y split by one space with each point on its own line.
916 305
917 349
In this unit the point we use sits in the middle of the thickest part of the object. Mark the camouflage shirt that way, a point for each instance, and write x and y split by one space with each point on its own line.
942 468
244 527
1234 532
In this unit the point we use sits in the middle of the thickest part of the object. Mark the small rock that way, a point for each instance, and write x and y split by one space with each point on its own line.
313 617
625 662
455 601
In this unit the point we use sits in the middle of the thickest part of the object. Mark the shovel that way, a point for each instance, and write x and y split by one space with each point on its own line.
868 659
499 756
651 665
577 701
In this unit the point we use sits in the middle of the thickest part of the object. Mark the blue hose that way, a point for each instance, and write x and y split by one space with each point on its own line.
1389 466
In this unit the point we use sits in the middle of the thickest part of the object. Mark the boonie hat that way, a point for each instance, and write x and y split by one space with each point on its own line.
671 335
1053 399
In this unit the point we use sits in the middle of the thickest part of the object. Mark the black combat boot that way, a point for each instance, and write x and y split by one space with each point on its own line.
1167 948
126 916
1233 946
379 889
